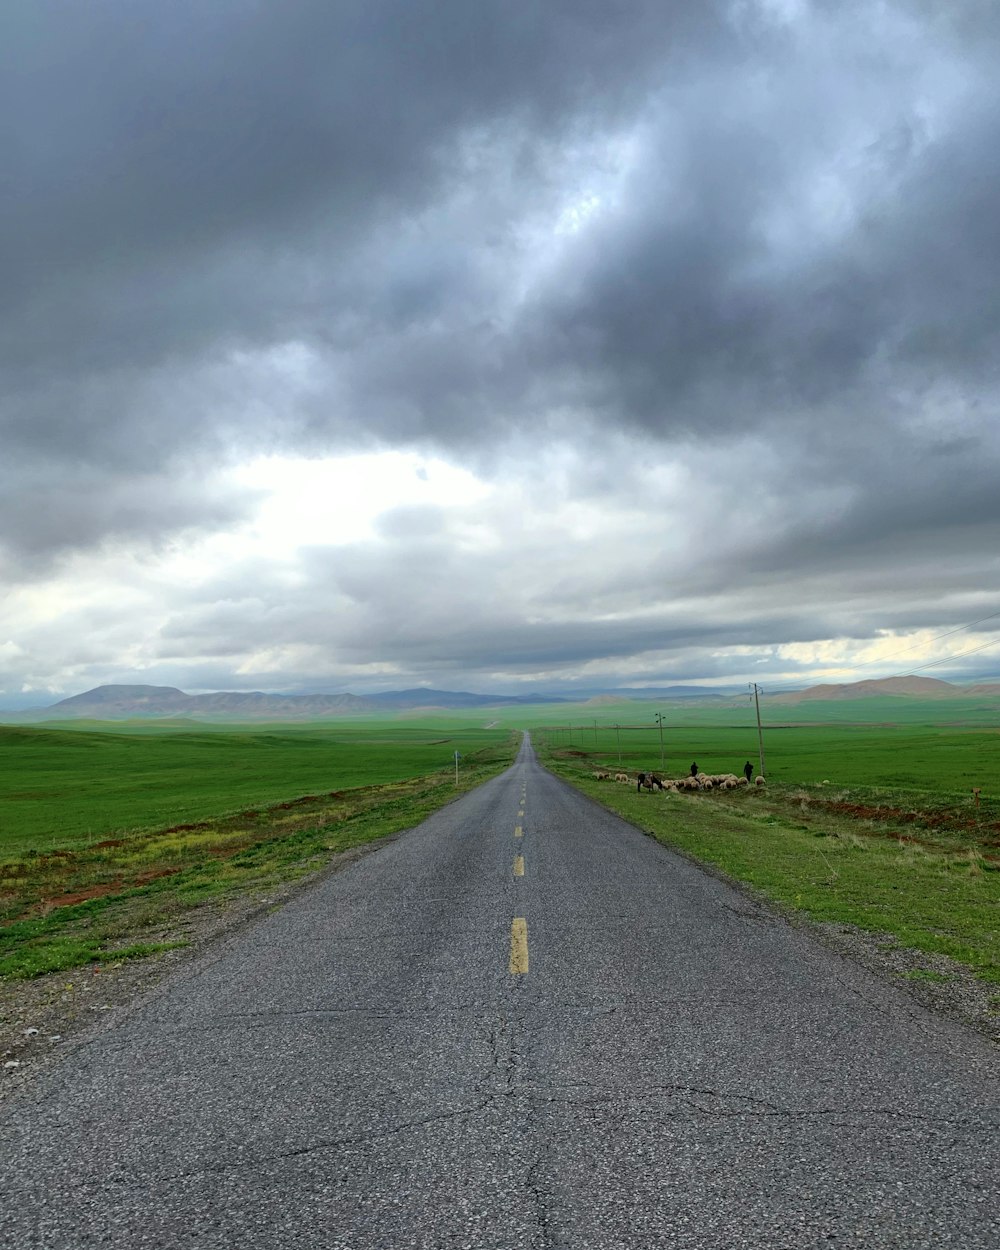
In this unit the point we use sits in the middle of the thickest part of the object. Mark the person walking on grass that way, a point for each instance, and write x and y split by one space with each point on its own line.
748 771
694 770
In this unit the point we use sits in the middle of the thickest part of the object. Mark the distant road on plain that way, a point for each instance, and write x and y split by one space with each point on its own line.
522 1024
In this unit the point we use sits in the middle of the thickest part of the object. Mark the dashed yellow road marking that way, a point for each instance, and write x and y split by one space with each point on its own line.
519 946
518 865
518 831
520 813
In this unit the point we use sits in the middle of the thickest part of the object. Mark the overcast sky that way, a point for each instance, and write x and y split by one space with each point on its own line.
353 345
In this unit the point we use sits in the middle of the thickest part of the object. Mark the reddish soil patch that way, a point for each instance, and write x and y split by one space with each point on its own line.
83 896
943 822
108 887
155 875
306 798
110 842
227 852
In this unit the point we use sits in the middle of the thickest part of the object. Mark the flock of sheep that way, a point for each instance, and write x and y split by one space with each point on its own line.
700 781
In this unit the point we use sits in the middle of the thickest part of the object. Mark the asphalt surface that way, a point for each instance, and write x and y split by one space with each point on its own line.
676 1067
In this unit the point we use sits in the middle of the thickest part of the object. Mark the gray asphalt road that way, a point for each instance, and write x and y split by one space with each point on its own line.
363 1069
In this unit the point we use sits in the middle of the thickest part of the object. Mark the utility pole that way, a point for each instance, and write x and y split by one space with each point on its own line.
659 720
760 732
618 735
595 733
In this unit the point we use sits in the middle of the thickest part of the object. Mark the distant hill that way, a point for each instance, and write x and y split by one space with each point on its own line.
113 702
127 702
913 687
987 689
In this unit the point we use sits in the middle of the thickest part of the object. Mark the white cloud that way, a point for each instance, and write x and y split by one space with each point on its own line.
339 499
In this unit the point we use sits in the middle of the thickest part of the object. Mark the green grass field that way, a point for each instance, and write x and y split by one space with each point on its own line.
943 760
738 713
61 787
109 839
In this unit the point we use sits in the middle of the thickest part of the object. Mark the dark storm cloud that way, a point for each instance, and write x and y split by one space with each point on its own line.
740 256
684 315
191 178
187 180
143 137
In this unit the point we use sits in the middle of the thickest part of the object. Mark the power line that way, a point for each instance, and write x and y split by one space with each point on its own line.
937 638
947 659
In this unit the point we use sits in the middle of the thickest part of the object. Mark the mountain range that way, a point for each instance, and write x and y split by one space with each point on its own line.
126 702
115 702
120 702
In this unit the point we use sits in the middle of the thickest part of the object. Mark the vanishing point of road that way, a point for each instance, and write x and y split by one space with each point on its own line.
521 1024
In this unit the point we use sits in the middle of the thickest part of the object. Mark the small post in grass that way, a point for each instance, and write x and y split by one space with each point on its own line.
457 758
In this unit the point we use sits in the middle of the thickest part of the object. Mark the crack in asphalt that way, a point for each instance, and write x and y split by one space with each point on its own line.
758 918
505 1067
758 1109
330 1144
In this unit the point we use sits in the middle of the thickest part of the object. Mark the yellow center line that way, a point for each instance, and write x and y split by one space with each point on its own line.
518 831
520 813
519 946
518 865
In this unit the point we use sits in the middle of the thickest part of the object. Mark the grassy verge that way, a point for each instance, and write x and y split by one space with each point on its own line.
920 870
127 897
